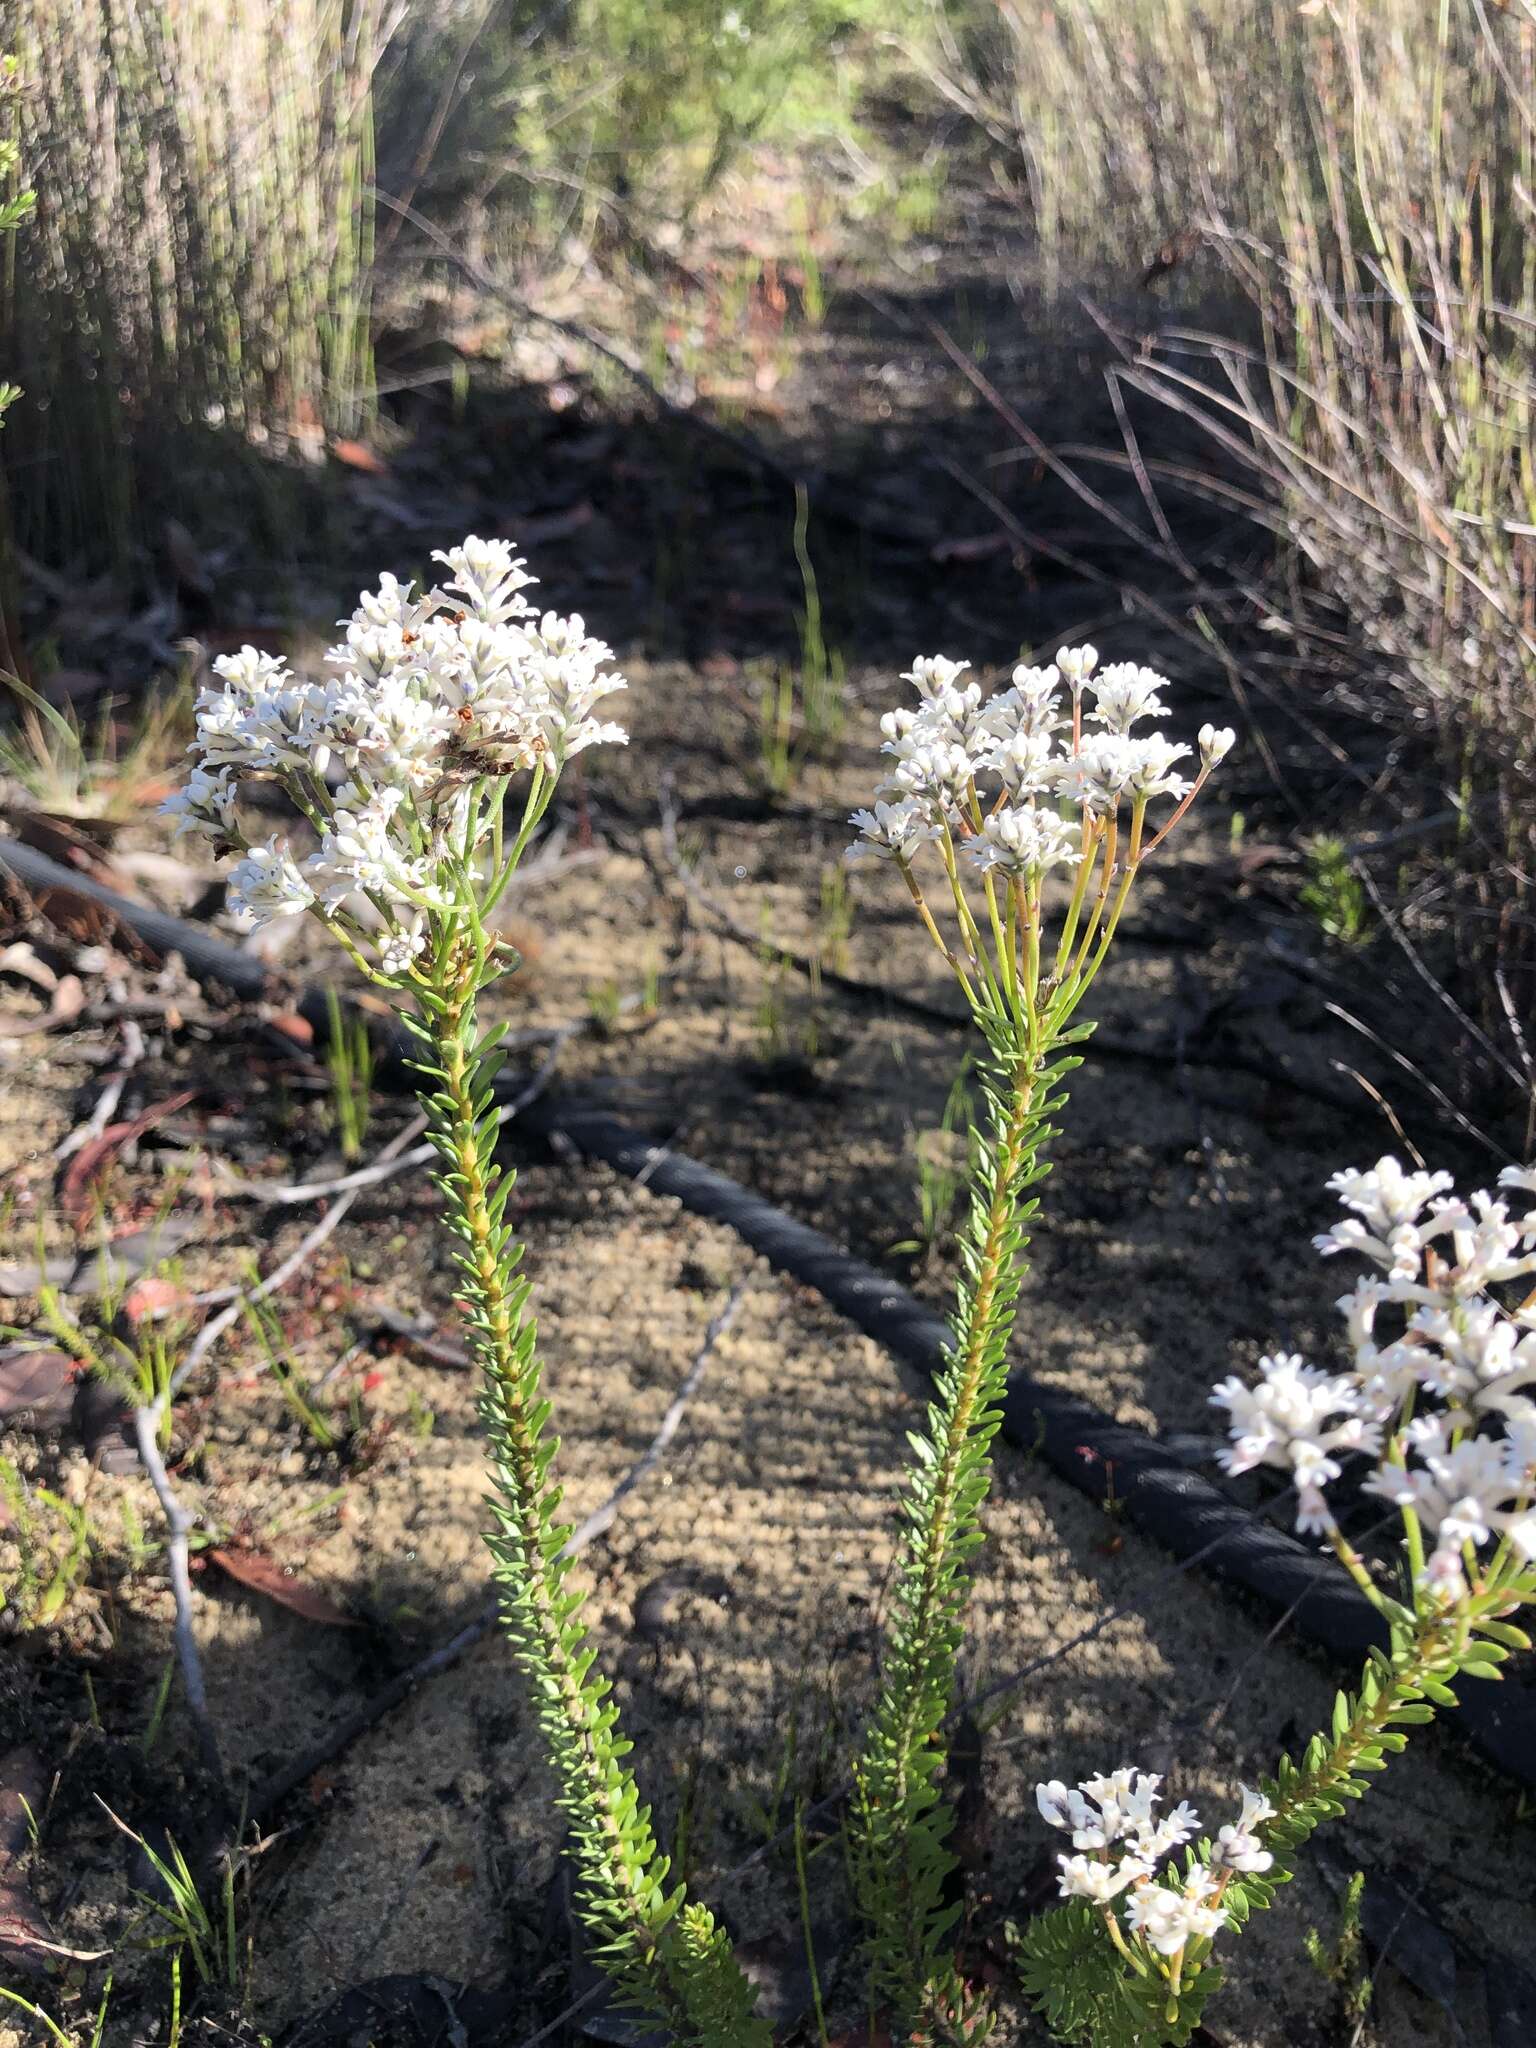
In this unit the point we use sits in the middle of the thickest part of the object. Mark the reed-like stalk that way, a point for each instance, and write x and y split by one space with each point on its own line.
200 253
1355 179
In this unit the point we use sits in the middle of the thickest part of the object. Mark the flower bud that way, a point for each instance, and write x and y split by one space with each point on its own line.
1077 664
1216 742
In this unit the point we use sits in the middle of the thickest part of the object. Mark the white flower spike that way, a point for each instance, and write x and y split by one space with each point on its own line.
432 704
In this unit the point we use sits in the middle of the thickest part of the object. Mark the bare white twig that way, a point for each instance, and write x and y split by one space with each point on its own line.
392 1159
178 1525
601 1519
147 1421
110 1096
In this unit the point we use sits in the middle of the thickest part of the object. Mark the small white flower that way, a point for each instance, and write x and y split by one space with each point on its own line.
1088 1877
1099 774
205 803
1300 1420
401 947
1167 1919
1462 1492
934 769
1154 1839
1237 1845
1023 841
1125 693
1031 703
489 577
891 831
1385 1194
932 674
1024 762
1077 664
266 883
1152 768
1215 742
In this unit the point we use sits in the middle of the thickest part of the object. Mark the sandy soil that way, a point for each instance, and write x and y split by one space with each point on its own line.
738 1595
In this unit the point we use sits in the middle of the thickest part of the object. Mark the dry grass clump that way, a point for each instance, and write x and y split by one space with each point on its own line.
1362 176
200 253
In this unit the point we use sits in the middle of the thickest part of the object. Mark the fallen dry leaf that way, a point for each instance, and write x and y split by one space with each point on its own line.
296 1029
37 1390
89 923
73 842
358 455
261 1574
26 1939
74 1189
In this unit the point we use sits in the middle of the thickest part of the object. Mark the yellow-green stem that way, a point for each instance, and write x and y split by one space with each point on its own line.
968 1369
453 1037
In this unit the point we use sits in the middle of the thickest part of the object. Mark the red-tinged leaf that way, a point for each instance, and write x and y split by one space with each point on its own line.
358 455
154 1299
260 1574
37 1390
290 1025
88 1162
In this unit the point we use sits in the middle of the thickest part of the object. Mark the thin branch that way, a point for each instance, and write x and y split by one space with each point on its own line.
147 1420
178 1525
602 1519
391 1161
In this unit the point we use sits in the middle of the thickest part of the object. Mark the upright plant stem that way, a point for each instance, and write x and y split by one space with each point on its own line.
900 1861
670 1961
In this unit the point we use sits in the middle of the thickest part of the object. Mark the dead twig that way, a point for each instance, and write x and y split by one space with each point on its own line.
111 1095
178 1524
601 1519
147 1420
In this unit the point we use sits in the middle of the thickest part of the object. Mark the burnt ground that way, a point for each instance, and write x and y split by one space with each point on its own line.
737 1595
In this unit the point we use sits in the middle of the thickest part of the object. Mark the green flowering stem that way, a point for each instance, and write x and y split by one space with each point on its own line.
899 1858
1120 1992
669 1961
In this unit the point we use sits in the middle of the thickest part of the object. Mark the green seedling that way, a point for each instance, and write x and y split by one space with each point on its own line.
49 1542
265 1326
349 1062
1334 892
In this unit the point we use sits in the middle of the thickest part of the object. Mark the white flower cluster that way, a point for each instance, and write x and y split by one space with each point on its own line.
1119 1843
430 698
993 772
1440 1391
